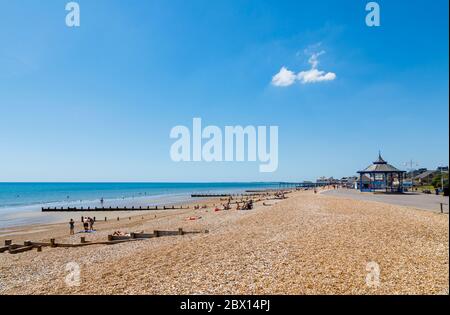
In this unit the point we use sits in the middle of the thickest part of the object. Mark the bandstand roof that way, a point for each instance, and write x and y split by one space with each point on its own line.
381 166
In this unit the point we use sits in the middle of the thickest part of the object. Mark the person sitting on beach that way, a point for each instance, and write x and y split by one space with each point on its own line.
72 226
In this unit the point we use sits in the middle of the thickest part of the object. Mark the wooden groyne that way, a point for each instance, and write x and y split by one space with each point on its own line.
263 191
112 240
210 195
227 195
104 209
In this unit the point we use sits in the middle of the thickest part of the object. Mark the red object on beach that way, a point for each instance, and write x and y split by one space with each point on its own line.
193 218
217 209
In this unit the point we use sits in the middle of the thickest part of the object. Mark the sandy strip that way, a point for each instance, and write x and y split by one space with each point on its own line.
306 244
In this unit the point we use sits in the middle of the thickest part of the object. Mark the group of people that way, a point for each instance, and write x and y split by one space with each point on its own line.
280 195
247 205
88 224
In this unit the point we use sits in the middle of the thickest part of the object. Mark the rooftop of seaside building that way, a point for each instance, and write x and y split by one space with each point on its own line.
381 166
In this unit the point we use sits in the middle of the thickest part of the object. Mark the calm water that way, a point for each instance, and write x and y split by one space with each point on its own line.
21 202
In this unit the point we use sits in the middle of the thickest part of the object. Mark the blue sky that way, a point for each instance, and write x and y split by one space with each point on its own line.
97 103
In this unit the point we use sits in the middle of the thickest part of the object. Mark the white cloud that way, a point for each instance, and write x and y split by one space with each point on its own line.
314 75
314 59
284 78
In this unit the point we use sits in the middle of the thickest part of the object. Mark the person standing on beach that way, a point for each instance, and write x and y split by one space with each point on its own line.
91 224
85 223
72 226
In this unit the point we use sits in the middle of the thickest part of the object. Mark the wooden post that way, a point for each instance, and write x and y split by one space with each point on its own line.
106 219
180 231
129 218
132 235
8 242
442 207
39 248
118 219
156 233
82 239
52 242
110 238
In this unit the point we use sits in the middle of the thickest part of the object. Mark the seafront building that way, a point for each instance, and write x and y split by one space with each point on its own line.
382 177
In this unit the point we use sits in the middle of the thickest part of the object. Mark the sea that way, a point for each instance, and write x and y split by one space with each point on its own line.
21 203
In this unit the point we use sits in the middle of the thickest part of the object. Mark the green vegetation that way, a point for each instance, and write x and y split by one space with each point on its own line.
426 187
437 180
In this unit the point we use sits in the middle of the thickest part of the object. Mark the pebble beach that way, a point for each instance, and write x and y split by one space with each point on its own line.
305 244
